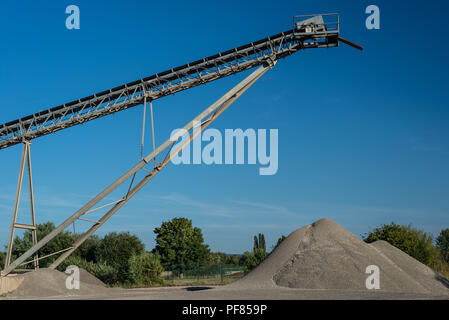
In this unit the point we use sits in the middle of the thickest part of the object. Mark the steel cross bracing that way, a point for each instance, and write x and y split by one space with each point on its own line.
160 85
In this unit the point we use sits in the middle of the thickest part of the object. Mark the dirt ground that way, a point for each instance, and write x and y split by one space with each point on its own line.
221 293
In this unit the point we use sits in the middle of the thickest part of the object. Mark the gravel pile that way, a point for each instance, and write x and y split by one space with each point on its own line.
324 255
45 283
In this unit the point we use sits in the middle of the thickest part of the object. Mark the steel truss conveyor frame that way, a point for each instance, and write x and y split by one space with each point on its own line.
165 83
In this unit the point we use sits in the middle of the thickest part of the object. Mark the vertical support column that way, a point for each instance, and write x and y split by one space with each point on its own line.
26 156
143 126
33 215
16 206
152 125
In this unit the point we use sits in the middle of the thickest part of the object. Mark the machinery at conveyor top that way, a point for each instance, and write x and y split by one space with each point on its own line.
316 31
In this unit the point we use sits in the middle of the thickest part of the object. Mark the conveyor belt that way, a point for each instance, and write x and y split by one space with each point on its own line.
161 84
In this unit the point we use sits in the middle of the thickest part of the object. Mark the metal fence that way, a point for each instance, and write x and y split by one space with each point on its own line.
196 272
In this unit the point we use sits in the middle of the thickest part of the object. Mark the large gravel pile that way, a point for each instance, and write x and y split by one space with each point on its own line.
44 283
324 255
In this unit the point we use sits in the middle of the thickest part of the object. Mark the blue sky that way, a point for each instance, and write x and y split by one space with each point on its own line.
363 136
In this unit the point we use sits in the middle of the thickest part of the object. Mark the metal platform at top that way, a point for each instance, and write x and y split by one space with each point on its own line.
173 80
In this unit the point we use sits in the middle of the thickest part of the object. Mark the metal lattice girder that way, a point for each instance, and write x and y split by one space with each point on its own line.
25 158
212 112
160 85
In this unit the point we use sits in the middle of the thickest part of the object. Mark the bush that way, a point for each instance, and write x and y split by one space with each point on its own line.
253 259
102 271
88 249
437 263
414 242
116 249
442 243
145 269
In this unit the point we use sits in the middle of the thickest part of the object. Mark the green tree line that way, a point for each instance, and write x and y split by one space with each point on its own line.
121 258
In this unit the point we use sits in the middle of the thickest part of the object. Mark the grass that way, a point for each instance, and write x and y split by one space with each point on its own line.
178 282
212 281
442 268
438 264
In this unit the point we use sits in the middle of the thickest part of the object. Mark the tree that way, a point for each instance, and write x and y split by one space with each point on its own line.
414 242
442 243
116 249
216 258
2 260
88 249
259 243
282 238
178 243
253 259
62 241
236 259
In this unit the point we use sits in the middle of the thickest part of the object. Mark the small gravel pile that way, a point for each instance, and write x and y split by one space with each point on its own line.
44 283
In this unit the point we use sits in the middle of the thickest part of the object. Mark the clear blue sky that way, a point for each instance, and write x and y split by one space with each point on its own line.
363 136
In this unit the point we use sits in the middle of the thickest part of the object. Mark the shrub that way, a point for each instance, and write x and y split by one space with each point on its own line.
116 249
101 270
414 242
88 249
145 269
442 243
253 259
